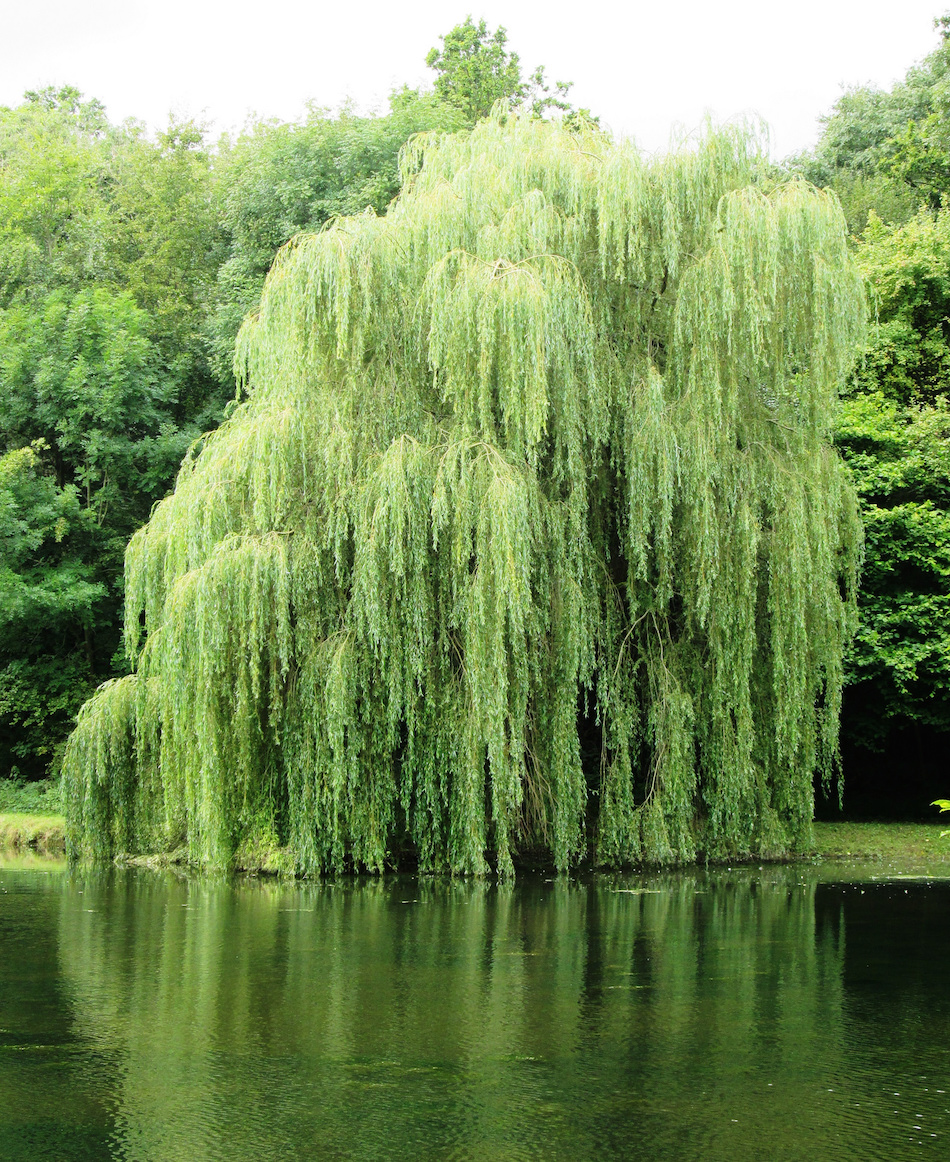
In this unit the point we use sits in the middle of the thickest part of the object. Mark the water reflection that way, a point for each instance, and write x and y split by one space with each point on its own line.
743 1015
54 1101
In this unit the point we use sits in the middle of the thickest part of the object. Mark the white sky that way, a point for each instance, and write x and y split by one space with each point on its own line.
642 66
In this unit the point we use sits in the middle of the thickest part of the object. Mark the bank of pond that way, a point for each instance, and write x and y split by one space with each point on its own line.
903 846
776 1012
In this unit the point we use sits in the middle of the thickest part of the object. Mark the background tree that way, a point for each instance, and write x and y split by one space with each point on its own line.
887 151
900 667
907 269
475 69
54 222
887 155
169 241
49 597
107 253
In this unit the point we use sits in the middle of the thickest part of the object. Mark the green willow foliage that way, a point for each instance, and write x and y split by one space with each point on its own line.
539 459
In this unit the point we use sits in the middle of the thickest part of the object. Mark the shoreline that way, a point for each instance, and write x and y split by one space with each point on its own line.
904 846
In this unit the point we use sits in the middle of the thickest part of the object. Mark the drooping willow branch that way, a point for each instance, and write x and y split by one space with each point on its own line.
536 464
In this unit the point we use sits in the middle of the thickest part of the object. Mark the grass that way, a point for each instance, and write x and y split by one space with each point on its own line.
904 843
22 831
31 818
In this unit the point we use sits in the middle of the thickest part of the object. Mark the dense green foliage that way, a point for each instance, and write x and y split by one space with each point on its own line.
887 156
543 450
127 265
106 256
900 666
49 594
39 797
893 432
280 179
907 269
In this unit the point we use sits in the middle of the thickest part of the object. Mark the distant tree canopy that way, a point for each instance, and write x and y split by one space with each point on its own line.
475 70
889 150
537 464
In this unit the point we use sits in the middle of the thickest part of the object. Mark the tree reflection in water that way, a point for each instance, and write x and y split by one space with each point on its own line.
693 1015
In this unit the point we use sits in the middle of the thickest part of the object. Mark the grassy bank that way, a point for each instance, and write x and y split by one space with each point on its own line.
21 831
898 843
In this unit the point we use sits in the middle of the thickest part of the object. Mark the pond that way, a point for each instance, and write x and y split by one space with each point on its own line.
748 1014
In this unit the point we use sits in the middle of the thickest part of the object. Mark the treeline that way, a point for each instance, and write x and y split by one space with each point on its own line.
129 260
887 156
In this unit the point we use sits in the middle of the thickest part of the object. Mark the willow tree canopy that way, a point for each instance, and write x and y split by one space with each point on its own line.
528 532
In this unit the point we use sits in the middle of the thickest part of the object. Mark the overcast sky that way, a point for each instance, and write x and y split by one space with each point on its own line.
643 67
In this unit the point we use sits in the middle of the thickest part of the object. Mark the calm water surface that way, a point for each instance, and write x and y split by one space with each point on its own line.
754 1014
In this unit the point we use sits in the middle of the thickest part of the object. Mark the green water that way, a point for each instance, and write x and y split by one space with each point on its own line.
754 1014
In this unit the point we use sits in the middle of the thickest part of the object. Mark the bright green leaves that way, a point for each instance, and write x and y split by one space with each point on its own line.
474 69
498 334
80 372
54 226
527 534
736 310
908 267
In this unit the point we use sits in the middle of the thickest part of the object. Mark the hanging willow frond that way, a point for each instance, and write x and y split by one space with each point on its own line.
528 532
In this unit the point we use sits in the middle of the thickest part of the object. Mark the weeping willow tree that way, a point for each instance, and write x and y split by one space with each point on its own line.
527 531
